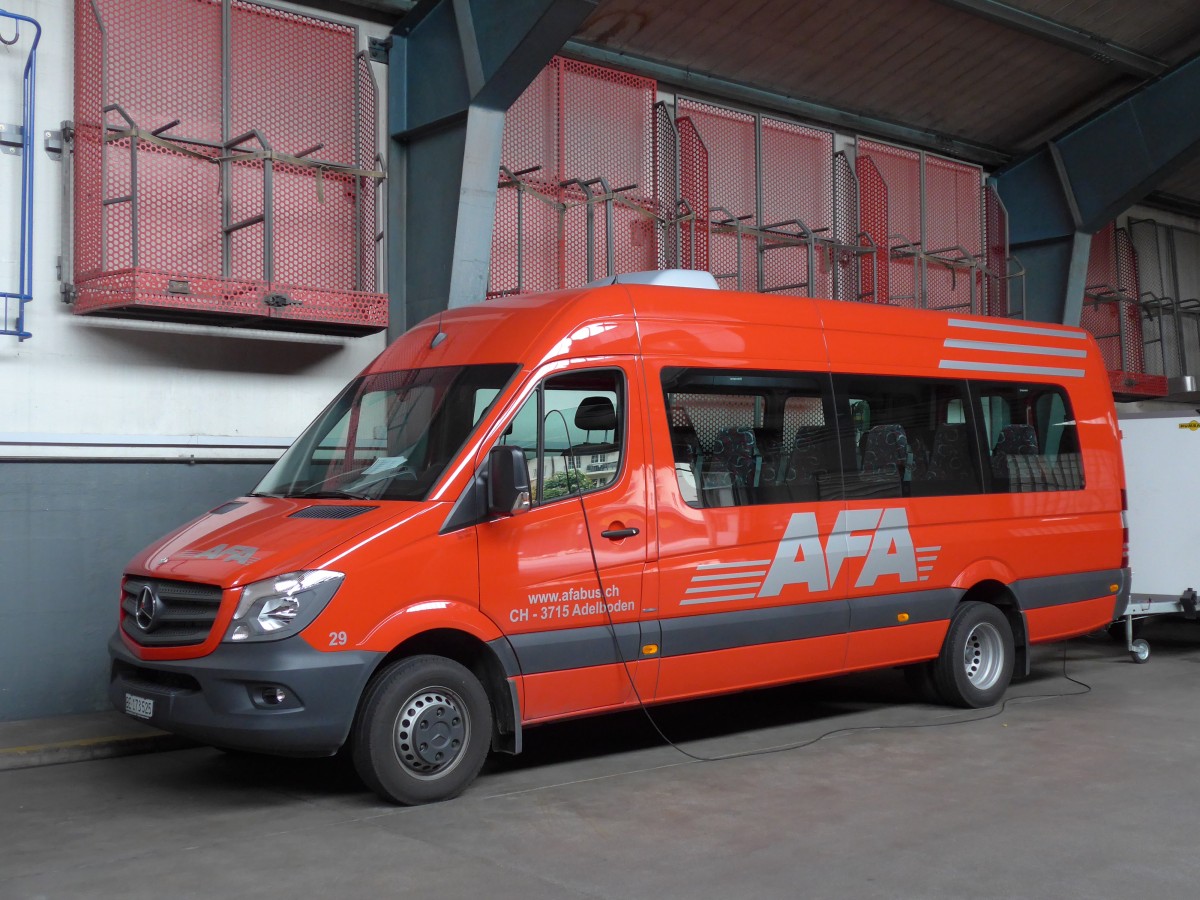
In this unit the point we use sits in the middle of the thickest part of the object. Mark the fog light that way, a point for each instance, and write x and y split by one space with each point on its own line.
273 696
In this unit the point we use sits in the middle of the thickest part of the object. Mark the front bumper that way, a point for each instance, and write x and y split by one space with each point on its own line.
219 699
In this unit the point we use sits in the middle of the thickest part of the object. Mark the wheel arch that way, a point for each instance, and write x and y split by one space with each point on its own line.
492 662
1000 595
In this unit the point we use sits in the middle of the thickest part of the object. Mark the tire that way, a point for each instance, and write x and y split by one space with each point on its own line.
422 731
976 663
920 681
1140 651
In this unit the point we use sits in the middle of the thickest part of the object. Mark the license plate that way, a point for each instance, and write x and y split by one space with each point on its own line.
142 707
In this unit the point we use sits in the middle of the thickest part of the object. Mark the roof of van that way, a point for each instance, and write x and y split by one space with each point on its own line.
714 327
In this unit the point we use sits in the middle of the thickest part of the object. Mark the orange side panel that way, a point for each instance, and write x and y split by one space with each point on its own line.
574 692
896 645
1052 623
740 668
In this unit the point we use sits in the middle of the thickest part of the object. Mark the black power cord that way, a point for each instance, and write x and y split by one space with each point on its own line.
988 713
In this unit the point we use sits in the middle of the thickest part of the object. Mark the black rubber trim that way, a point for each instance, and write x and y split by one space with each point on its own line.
1058 590
868 613
575 648
743 628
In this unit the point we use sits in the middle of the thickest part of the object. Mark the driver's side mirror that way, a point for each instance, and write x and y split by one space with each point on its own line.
508 482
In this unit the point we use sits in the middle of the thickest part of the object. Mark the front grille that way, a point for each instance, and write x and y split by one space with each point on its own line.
183 612
153 679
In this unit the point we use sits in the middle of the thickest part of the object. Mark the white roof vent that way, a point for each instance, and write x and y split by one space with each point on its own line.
685 278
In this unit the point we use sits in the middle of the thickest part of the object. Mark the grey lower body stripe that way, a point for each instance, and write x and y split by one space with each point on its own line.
1056 590
575 648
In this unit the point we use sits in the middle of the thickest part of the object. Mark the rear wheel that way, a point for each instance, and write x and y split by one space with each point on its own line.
976 663
423 730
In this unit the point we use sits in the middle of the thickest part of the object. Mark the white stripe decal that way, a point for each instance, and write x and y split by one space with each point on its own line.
1013 370
1019 329
929 549
735 565
758 572
723 587
993 347
695 600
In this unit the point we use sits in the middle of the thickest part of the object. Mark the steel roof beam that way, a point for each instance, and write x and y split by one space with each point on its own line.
1098 48
1060 195
454 68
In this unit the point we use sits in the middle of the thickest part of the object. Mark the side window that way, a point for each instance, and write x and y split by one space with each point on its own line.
572 431
742 438
1032 440
908 437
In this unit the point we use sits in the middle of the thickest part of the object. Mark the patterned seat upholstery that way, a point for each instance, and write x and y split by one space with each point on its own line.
885 451
950 458
1014 441
736 447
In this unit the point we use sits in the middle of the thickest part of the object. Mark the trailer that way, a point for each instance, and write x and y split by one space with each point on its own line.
1160 441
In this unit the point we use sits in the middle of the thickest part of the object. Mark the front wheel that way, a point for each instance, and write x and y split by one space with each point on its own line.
976 662
423 730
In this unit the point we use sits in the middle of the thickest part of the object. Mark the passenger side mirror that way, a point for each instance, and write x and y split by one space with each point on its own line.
508 482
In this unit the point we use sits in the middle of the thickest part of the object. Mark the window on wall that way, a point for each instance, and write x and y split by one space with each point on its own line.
1032 444
910 437
571 432
745 438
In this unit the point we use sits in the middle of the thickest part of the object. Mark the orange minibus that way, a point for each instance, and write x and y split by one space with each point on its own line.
639 491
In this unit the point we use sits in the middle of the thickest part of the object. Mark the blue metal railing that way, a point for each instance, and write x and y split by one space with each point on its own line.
24 291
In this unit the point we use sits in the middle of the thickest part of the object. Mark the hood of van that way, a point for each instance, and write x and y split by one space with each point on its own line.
252 538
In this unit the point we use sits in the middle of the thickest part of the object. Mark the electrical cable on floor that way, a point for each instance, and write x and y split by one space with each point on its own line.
988 713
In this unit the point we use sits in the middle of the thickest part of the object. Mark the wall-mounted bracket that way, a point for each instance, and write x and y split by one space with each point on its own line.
378 49
52 143
12 139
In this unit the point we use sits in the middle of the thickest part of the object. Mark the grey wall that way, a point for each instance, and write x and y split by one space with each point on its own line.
67 529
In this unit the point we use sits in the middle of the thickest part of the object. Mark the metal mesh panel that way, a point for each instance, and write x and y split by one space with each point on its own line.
952 234
709 413
846 269
873 222
666 186
164 63
901 170
156 245
607 127
293 79
995 284
367 157
694 191
797 198
581 122
729 136
1162 325
1112 313
86 149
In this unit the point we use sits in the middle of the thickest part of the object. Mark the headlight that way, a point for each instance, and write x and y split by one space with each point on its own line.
282 606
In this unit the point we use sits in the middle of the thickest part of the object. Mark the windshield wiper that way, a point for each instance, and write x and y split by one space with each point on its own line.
332 495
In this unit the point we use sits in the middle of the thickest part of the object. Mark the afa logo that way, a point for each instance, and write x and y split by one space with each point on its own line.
880 537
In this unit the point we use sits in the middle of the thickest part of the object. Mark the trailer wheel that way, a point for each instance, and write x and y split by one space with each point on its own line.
423 730
1139 651
976 662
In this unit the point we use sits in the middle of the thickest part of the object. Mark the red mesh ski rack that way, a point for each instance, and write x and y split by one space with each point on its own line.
1112 313
578 154
729 136
260 211
695 196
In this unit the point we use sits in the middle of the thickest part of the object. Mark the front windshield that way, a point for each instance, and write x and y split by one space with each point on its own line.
388 436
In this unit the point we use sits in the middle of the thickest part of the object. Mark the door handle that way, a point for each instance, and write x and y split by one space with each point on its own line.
616 534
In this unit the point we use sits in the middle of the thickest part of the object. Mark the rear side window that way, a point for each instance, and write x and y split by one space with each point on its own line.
1031 436
909 437
751 437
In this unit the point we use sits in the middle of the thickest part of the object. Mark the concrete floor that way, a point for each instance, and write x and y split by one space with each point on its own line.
1094 795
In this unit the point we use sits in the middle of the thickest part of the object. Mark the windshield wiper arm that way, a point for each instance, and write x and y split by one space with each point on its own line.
332 495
